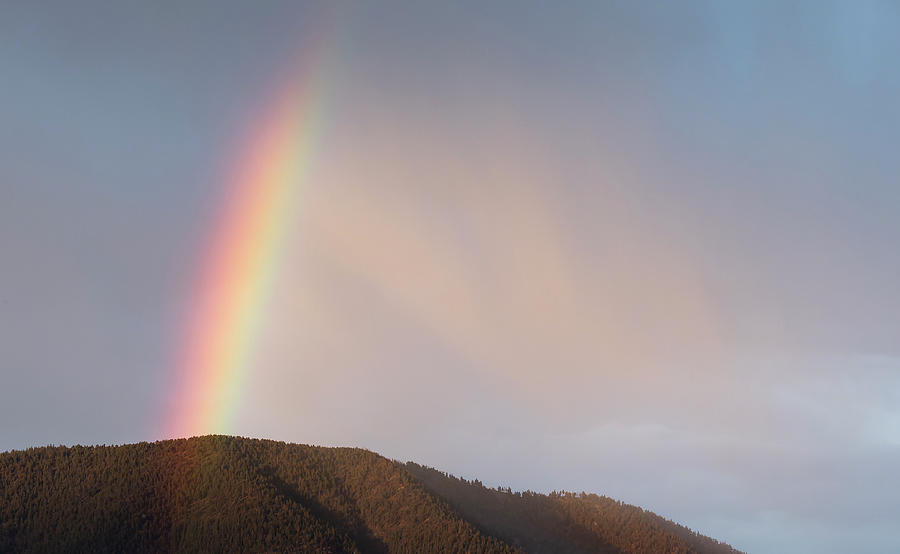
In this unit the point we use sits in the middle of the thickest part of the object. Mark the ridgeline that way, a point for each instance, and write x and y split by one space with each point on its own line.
229 494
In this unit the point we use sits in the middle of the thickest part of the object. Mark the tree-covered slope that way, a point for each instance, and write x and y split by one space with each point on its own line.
228 494
565 523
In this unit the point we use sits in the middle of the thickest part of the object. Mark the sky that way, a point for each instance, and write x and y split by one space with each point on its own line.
645 249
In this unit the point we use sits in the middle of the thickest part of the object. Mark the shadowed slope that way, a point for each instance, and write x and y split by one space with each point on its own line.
564 522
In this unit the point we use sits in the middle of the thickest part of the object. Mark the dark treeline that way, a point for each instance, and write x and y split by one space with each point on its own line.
227 494
564 522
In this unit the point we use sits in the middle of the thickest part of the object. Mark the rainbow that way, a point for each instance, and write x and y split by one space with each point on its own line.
234 278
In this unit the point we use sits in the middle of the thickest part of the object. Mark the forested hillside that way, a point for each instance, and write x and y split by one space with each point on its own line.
564 522
228 494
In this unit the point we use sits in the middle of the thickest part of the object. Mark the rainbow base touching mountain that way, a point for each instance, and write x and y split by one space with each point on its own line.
228 494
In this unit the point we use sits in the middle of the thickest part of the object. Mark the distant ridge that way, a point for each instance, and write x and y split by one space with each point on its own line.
229 494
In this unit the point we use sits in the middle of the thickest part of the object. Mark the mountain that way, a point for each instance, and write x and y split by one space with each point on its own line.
230 494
